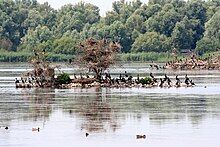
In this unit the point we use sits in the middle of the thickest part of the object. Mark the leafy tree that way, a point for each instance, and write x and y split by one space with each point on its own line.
35 37
135 22
151 42
65 45
207 45
26 24
213 26
74 17
212 7
164 21
182 36
118 32
196 9
211 39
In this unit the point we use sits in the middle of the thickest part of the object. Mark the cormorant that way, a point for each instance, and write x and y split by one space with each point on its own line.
187 80
161 82
16 80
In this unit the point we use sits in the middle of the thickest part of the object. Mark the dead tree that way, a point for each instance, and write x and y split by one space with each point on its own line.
43 73
97 55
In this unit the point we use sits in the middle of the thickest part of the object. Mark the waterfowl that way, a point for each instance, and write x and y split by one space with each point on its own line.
22 80
117 81
165 77
16 81
87 134
156 66
130 78
192 83
126 74
154 79
151 75
120 76
161 82
140 136
36 129
74 76
138 79
177 81
186 80
6 128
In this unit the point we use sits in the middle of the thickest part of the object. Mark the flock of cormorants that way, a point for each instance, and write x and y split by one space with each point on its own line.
107 80
126 80
28 82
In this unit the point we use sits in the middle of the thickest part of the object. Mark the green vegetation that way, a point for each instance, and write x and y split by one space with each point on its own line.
63 78
147 56
146 80
151 29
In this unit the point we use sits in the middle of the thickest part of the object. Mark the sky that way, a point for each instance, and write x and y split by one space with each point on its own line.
104 5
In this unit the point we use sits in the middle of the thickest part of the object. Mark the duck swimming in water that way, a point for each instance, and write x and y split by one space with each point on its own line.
36 129
140 136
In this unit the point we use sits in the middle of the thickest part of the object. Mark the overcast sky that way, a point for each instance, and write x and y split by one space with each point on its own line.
104 5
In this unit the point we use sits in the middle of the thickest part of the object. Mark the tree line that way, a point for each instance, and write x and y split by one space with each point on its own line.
156 26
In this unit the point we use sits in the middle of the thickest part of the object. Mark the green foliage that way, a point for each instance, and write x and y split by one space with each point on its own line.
148 56
182 36
63 78
213 26
211 40
156 26
164 21
207 45
146 80
151 42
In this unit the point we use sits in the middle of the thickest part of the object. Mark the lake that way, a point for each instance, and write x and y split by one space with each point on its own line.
169 117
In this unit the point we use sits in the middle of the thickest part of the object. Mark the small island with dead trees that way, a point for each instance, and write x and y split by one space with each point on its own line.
97 56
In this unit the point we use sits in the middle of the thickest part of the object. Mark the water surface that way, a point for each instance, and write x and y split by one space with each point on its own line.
112 117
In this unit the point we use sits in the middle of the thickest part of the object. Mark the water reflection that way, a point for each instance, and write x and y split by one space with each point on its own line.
27 104
94 110
116 114
103 109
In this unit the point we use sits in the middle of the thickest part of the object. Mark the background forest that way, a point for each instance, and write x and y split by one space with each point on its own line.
149 29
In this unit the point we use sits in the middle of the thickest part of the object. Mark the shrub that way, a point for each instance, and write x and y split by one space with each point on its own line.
146 80
63 78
